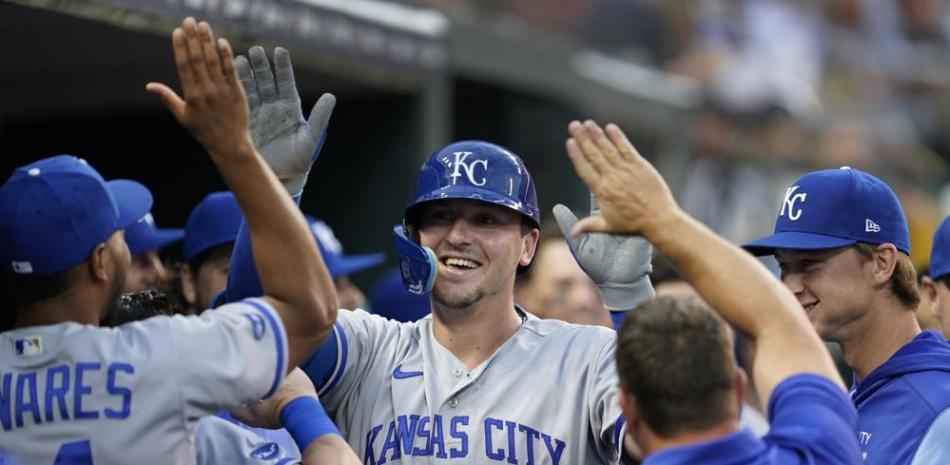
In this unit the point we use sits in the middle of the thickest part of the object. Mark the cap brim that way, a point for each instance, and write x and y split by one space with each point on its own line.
791 240
470 193
155 240
349 264
134 200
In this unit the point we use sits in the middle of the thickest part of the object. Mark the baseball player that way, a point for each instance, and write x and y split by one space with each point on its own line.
210 231
681 387
480 380
145 240
71 392
219 440
937 284
842 243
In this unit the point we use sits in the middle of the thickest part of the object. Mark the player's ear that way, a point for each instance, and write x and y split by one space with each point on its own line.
99 263
884 262
187 277
741 384
929 288
530 246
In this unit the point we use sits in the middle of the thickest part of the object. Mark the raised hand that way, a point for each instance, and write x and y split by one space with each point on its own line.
289 143
618 264
212 106
632 195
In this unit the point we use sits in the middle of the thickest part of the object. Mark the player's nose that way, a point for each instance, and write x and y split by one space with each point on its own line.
460 233
793 282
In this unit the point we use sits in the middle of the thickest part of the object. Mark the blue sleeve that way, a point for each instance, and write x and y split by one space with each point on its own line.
323 362
811 415
934 449
243 281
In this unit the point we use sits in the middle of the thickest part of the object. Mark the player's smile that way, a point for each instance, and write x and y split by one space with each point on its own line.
458 265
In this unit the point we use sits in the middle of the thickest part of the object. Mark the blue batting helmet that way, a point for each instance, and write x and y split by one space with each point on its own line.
476 170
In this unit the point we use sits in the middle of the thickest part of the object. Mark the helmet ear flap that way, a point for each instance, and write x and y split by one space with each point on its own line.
418 265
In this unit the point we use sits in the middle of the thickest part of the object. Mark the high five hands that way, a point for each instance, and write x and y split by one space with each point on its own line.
632 196
212 104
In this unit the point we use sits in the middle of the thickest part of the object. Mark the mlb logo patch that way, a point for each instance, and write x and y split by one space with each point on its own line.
28 346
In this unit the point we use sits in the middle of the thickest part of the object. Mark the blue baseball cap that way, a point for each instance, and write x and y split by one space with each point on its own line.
144 236
940 253
337 262
214 221
836 208
55 211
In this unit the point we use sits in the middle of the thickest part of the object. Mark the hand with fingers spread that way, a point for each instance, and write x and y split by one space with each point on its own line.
618 264
633 197
289 143
212 106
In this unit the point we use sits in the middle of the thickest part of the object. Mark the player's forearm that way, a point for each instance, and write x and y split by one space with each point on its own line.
329 449
289 265
736 285
746 294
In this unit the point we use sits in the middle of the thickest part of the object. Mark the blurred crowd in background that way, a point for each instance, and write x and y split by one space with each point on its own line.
787 86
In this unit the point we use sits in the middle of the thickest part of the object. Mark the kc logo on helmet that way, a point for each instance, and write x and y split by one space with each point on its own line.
469 168
790 199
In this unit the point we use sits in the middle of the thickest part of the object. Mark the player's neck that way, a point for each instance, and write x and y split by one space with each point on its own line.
475 333
886 330
78 305
653 443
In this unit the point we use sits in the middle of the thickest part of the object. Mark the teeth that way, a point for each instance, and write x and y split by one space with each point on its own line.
461 262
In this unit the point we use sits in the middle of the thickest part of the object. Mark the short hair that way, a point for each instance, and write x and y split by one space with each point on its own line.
28 289
675 357
903 282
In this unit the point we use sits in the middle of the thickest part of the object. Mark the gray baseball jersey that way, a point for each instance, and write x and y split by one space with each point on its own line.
548 395
79 394
221 442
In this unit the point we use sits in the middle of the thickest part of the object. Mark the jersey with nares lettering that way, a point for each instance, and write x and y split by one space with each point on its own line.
79 394
547 396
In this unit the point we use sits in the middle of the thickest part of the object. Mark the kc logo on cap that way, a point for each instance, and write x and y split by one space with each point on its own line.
790 199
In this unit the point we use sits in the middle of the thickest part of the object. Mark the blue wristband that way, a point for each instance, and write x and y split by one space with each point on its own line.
305 420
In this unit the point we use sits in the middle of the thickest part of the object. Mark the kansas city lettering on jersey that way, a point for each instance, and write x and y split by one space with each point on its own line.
448 437
60 394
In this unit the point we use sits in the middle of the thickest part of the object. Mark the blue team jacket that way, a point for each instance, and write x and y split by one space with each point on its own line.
900 405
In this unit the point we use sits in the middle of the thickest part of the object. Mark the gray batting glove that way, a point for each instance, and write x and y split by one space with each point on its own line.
289 143
619 265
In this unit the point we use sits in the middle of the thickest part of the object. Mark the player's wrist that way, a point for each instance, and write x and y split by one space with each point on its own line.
306 420
238 149
662 223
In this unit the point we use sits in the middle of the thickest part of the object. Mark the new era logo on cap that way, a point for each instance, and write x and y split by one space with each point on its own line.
834 208
21 267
